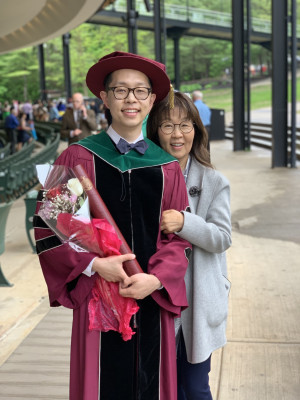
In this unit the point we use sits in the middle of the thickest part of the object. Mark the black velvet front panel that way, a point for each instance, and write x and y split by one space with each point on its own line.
130 370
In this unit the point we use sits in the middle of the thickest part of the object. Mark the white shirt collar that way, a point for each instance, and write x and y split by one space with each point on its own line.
115 137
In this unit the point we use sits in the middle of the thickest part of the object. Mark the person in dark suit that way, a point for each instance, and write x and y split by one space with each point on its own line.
78 122
10 124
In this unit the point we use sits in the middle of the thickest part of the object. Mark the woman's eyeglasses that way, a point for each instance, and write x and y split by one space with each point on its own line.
122 92
168 127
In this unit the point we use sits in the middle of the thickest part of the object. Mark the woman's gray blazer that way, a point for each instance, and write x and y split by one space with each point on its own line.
208 228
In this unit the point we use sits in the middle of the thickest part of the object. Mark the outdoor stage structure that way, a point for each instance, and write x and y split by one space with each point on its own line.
282 41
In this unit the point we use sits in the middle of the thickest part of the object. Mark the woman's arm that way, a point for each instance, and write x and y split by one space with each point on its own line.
213 233
24 126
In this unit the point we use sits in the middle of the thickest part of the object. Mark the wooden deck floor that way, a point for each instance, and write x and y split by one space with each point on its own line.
262 358
39 367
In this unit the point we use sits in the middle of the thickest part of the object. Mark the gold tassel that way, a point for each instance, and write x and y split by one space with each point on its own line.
171 97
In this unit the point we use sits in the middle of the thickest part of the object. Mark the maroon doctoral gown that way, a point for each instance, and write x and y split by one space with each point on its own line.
136 189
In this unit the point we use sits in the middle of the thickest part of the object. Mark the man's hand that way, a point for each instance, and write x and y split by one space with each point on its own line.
139 286
111 268
83 110
77 132
171 221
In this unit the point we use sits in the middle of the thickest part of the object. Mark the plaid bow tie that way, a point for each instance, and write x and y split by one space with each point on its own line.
123 146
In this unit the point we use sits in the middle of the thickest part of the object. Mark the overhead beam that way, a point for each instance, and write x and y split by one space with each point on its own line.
144 22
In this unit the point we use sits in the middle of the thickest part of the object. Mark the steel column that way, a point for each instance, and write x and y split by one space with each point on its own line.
164 32
238 74
248 77
279 83
176 33
131 26
67 70
42 72
293 83
177 62
158 31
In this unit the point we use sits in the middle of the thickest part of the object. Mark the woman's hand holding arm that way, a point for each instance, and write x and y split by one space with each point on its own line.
171 221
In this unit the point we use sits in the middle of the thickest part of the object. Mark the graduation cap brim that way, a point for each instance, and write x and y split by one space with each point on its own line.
118 60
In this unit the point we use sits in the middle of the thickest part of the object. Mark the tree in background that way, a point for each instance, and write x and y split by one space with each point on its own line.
19 75
89 43
200 58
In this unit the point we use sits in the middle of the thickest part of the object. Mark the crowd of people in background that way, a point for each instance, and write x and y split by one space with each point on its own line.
19 118
18 124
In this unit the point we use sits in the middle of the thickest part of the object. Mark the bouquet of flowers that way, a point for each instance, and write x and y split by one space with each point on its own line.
66 211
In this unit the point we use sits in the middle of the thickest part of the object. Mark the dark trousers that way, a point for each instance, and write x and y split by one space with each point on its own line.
193 379
12 137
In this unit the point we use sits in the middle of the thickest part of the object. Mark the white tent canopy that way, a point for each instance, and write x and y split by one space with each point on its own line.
32 22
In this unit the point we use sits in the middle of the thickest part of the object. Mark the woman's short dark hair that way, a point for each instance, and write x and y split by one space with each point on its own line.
161 111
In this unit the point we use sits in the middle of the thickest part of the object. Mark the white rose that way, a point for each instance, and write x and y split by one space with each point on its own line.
75 186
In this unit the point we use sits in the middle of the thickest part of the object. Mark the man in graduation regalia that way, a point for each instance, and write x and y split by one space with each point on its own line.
138 181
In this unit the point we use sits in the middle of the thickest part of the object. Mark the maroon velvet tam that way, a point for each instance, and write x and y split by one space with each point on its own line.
155 71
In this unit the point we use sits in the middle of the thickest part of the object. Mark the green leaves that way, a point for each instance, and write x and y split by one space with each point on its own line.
19 75
16 74
200 58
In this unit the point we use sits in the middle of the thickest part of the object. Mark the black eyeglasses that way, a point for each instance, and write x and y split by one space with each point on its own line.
122 92
168 127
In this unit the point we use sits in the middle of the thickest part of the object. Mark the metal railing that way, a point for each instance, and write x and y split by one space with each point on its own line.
195 15
261 136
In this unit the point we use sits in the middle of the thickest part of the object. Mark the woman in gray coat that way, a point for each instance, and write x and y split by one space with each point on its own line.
202 327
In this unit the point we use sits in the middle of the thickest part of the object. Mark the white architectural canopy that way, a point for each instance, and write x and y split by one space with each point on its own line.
32 22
